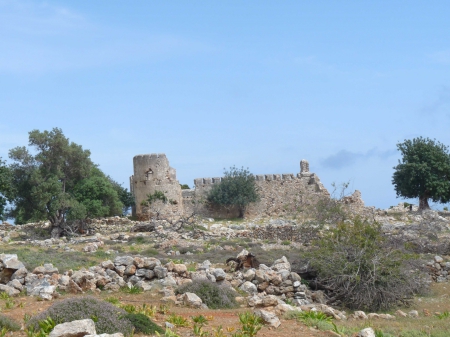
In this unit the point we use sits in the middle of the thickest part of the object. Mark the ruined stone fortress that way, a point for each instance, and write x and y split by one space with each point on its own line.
279 193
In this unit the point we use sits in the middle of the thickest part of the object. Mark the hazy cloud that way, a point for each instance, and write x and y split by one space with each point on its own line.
345 158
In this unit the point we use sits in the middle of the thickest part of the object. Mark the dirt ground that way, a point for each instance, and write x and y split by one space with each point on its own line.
228 319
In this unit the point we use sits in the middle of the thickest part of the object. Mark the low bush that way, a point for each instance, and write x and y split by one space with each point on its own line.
213 295
143 324
358 268
8 323
107 317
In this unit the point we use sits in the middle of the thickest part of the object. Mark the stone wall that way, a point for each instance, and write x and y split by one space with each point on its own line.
152 173
280 193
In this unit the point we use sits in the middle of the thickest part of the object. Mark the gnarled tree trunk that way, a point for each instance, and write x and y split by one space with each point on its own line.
423 202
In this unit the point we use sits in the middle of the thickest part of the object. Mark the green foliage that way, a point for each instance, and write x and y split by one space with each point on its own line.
5 188
212 294
423 172
237 189
8 323
157 195
58 182
177 320
131 290
143 324
311 318
185 187
443 315
108 318
251 324
113 300
47 325
97 197
359 269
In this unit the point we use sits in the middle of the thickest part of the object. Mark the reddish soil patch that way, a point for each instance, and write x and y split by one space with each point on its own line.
228 319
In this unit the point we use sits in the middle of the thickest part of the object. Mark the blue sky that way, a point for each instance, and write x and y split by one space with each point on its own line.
259 84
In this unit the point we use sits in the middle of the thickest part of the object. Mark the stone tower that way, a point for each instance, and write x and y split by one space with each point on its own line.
152 173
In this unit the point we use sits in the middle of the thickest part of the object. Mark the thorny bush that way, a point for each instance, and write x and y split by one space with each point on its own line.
358 268
107 317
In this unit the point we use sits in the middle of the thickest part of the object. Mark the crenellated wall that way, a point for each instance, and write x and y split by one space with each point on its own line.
279 193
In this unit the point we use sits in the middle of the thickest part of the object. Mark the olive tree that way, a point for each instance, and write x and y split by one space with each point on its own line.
58 182
237 188
423 172
5 187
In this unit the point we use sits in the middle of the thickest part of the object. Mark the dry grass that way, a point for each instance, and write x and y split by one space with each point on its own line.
424 326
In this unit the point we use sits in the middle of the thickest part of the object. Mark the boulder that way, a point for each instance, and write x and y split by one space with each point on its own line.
78 328
107 264
46 269
160 272
123 260
268 317
219 274
249 288
367 332
179 269
281 265
192 300
249 274
11 291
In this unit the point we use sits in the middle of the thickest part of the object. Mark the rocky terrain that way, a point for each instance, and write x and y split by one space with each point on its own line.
270 291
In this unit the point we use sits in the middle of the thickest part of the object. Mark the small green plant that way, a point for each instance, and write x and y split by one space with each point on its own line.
443 315
199 322
47 325
177 320
148 310
339 330
168 333
163 309
251 324
286 243
131 290
143 324
445 208
9 304
157 195
129 308
380 333
113 300
312 319
177 261
4 296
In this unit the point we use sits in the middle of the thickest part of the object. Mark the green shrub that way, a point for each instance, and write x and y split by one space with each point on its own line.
8 323
358 268
213 295
143 324
108 318
237 189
